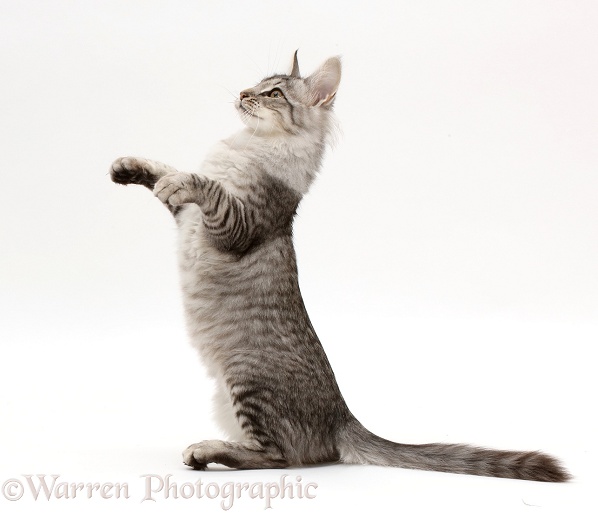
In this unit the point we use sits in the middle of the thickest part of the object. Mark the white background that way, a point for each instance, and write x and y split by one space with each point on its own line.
448 253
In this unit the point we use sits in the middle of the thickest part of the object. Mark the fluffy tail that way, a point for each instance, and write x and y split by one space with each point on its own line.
358 445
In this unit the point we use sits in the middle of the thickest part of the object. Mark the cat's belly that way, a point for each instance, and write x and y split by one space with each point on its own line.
224 294
235 305
202 269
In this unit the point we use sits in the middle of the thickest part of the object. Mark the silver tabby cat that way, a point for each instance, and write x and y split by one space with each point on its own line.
279 400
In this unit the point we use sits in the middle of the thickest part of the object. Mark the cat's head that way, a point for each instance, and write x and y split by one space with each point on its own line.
290 104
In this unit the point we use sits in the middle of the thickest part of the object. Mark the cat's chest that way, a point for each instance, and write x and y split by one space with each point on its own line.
229 166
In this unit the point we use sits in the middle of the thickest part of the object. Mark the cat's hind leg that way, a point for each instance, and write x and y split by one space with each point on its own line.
240 455
133 170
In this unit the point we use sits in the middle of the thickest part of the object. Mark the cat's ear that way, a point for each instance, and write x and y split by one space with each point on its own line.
323 83
295 69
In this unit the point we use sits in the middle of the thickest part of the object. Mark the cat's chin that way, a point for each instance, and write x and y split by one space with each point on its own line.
261 127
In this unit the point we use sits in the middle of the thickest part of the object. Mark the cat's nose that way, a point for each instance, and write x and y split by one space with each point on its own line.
244 95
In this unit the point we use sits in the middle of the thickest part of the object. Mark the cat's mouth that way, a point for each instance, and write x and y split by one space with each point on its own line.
245 110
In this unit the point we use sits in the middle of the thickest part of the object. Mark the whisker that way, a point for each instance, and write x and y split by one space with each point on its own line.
244 115
254 131
277 54
261 71
229 91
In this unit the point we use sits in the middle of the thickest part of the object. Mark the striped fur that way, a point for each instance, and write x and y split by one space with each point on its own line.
278 398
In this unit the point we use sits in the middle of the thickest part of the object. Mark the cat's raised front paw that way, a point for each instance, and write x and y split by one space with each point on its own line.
177 189
127 170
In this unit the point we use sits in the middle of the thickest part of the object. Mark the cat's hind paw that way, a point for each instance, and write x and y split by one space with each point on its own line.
192 457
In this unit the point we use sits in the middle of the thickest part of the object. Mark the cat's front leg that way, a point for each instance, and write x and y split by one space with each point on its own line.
228 221
133 170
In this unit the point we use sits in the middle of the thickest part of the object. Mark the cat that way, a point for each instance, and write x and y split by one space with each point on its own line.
280 402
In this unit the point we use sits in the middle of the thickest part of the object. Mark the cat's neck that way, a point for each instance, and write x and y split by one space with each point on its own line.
294 159
281 144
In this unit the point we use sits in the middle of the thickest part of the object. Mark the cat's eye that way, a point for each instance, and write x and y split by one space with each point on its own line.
276 93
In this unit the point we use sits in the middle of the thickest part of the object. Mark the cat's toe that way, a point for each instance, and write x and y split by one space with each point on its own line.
122 170
174 189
